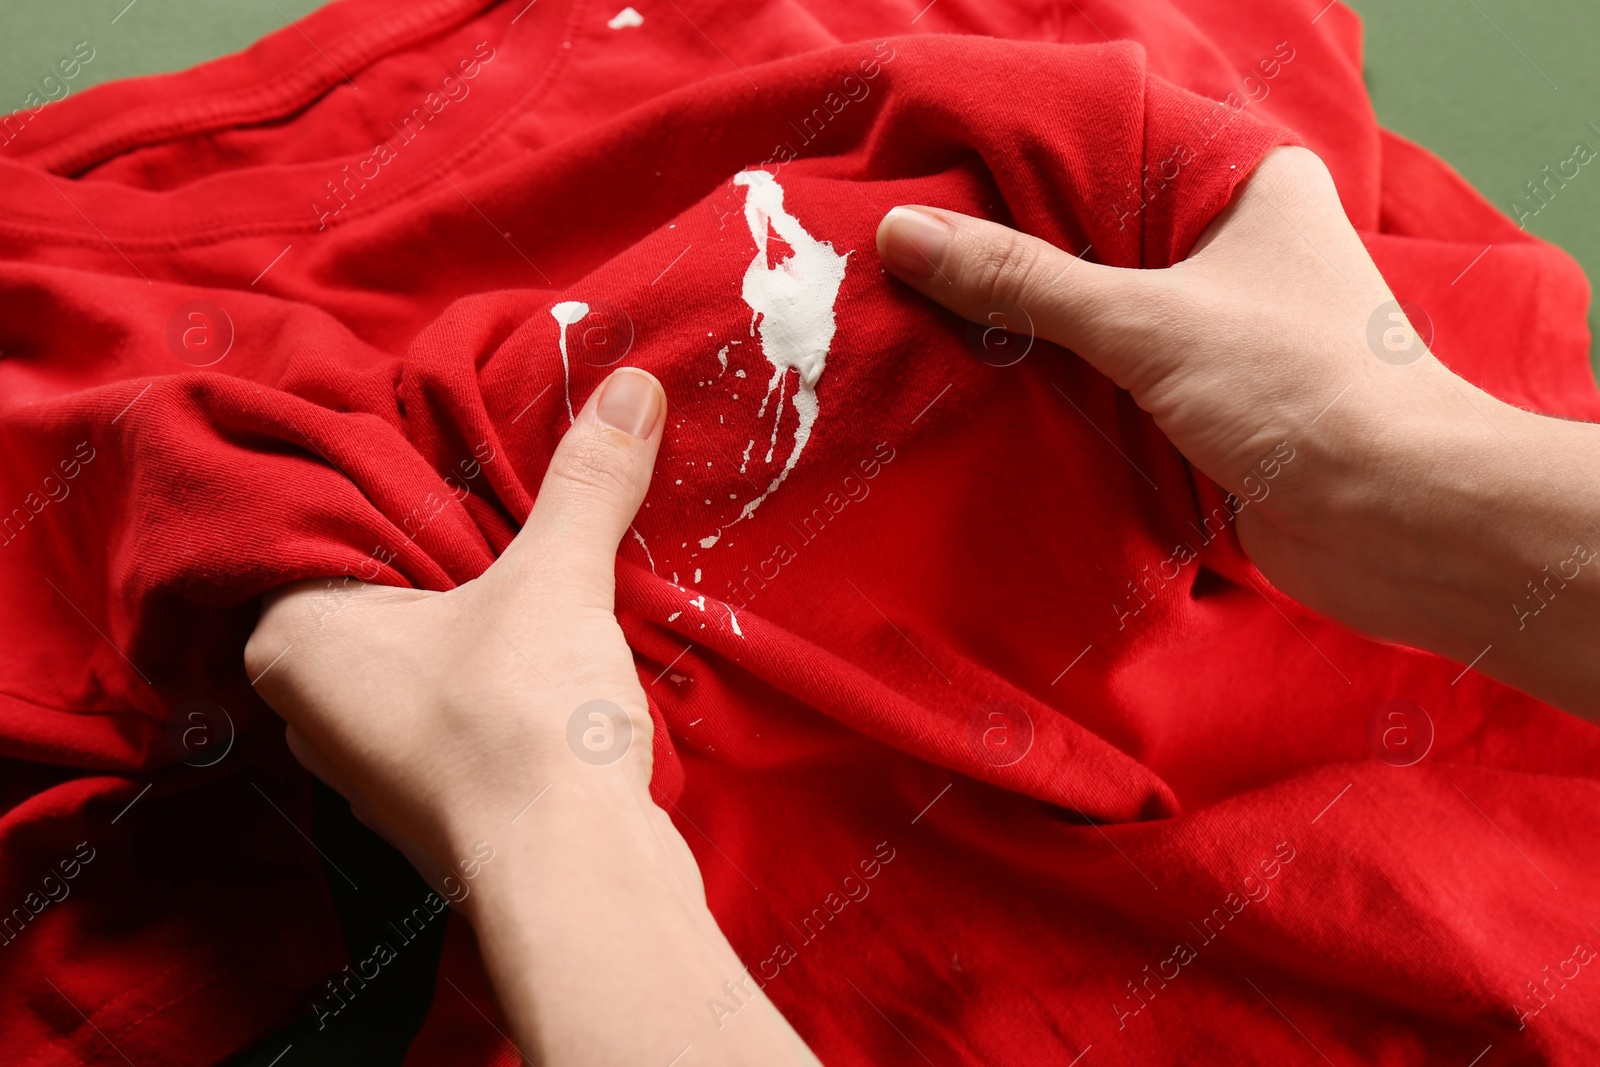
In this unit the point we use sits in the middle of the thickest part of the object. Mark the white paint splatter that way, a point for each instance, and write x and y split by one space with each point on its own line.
697 576
568 313
777 416
746 460
627 18
639 537
793 304
722 358
699 602
735 620
674 616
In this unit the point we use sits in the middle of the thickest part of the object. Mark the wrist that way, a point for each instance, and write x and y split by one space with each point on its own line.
1397 501
525 770
557 834
1473 521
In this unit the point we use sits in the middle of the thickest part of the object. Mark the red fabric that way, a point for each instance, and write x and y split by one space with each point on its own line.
391 396
465 1024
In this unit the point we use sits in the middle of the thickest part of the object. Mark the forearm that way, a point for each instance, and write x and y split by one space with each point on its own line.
593 926
1527 561
1484 521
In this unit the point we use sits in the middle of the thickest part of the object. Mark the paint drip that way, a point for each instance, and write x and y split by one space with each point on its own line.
639 537
568 313
791 304
627 18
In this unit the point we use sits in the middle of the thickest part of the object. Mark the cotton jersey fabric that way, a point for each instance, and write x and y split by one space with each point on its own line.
991 745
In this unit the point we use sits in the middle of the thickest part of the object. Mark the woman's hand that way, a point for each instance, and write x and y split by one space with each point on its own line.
1410 511
498 733
440 714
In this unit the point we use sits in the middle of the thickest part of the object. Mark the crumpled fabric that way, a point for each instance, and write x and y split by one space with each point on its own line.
992 746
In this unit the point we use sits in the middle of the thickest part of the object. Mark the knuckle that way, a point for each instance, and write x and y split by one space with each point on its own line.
588 466
265 643
255 653
1003 270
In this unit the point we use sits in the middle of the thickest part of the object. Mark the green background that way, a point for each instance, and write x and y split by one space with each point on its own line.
1500 88
150 37
1463 78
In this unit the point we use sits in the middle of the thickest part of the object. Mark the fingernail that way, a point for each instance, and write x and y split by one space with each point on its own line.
915 242
630 401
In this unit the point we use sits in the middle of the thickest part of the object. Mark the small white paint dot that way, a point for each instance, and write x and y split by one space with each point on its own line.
627 18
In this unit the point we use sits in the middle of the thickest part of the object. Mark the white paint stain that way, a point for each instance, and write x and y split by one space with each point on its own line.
625 19
697 576
746 460
722 358
735 620
699 602
674 616
568 313
777 418
792 303
639 537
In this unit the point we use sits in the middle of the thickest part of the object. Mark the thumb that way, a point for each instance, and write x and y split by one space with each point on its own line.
594 485
994 275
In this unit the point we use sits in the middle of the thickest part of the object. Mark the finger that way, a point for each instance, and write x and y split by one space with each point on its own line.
981 269
596 481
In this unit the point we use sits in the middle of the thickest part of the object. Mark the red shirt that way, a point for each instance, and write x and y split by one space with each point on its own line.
989 741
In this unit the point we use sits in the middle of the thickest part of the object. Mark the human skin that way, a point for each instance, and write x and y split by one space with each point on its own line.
1415 510
443 718
1418 507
